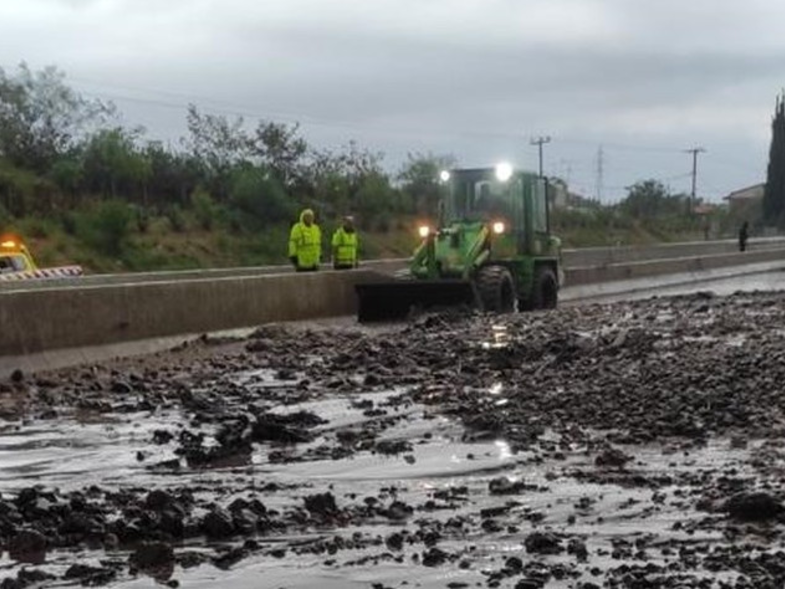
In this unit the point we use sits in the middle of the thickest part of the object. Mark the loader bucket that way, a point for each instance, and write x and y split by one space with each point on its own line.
390 301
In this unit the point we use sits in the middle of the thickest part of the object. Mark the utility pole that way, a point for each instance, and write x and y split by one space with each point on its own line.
600 173
539 141
694 151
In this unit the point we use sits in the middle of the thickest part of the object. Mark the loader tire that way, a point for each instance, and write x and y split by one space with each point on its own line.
496 289
546 289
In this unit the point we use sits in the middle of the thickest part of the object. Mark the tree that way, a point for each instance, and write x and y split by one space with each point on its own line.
106 227
41 117
374 195
774 193
258 198
420 179
113 164
324 180
67 172
173 175
650 199
333 180
218 144
280 150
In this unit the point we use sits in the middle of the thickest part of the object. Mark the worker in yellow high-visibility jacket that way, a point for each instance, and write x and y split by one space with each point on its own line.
345 244
305 243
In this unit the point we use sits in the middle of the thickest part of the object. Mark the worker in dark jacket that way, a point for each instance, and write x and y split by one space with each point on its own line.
305 243
744 234
345 244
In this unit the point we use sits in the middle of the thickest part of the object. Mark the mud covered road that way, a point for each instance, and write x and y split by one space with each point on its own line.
627 445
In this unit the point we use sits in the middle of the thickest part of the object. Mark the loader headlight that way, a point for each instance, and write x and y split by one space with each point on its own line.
424 231
444 176
503 171
498 227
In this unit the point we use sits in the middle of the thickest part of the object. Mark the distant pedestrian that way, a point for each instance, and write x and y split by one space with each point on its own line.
305 243
744 234
345 245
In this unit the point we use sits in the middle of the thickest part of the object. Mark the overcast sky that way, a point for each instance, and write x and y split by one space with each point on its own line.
645 79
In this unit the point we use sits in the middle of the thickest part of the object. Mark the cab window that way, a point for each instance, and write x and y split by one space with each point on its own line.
481 200
12 264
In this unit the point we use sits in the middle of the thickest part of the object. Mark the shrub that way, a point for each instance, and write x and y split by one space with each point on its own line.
69 221
176 218
259 199
205 209
106 227
384 223
142 218
37 228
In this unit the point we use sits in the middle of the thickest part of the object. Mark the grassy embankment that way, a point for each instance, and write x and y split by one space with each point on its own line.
162 248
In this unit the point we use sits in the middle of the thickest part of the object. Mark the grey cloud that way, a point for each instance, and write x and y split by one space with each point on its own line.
474 77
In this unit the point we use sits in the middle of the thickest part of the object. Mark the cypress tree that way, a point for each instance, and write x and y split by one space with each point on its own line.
774 195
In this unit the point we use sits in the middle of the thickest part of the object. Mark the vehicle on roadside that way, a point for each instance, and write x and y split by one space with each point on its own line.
17 263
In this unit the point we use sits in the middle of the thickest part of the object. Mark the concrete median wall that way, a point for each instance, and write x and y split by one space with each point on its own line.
650 268
38 320
604 256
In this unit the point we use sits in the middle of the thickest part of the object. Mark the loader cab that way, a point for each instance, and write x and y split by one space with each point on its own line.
492 195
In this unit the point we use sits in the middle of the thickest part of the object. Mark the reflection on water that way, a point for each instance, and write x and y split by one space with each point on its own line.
505 453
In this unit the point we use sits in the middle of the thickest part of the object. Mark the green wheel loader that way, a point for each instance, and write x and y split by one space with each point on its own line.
492 249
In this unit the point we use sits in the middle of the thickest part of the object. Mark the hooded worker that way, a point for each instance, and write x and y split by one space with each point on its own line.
305 243
345 245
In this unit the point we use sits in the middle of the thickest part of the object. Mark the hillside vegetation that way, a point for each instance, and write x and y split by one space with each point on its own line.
83 188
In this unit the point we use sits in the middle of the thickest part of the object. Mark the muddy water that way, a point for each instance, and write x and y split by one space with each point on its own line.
83 449
458 452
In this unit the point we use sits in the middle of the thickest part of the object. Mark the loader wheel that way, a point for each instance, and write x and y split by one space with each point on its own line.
496 289
546 289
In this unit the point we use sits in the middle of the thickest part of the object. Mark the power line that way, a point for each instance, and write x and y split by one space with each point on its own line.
621 146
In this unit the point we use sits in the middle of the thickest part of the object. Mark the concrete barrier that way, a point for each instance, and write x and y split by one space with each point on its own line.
604 256
633 270
38 320
385 265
